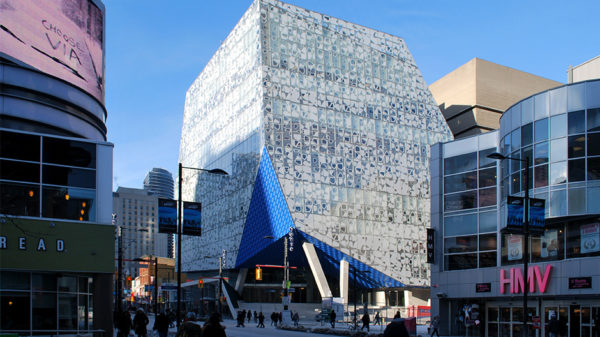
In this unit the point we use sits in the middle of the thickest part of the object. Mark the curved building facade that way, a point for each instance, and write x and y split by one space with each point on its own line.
56 233
160 183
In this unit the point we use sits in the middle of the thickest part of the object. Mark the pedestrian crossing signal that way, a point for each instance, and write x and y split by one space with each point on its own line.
258 274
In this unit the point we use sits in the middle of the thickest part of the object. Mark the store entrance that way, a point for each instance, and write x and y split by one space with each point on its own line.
575 320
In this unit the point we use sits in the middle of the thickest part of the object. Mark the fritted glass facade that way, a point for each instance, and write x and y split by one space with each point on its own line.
346 119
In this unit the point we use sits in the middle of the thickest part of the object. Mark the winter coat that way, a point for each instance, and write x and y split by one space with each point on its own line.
213 330
139 323
161 324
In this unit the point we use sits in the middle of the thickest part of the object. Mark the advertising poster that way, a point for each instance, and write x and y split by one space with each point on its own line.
192 214
549 244
62 38
515 248
516 210
590 238
537 209
167 216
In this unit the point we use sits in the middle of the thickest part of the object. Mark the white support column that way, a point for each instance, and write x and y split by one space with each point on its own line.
241 280
317 270
344 273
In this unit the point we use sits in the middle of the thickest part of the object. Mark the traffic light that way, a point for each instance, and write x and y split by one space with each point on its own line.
258 274
200 283
128 282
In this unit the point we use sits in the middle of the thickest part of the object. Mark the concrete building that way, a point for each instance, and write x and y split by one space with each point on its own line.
159 182
473 97
136 213
588 70
477 273
56 235
324 127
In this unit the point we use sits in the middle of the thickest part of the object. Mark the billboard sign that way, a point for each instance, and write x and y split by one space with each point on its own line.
192 214
167 216
62 38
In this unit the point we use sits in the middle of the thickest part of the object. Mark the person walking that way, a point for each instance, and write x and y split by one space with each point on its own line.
139 323
296 318
365 321
255 317
213 327
435 324
377 318
397 315
124 324
332 316
161 324
553 326
261 320
396 329
249 315
273 319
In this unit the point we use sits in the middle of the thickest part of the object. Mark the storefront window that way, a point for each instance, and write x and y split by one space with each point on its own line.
43 313
583 238
549 246
14 307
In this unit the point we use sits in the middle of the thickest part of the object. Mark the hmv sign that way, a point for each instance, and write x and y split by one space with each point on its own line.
513 283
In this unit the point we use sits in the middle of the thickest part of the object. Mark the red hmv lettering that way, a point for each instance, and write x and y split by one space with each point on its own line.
515 280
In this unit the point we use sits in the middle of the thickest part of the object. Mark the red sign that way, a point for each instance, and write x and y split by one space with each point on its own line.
516 283
483 287
580 282
537 322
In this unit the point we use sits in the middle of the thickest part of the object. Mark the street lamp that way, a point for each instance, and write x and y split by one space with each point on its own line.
179 230
155 279
286 274
499 156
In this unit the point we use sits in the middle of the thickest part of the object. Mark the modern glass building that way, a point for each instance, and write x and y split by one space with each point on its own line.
159 182
324 127
478 265
56 235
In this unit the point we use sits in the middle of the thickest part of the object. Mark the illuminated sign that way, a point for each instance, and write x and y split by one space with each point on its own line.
516 283
580 282
63 38
483 287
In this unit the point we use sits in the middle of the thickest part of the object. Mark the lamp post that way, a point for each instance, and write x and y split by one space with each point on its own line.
354 271
286 275
499 156
179 230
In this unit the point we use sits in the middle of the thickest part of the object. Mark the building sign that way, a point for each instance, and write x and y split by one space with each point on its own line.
62 38
483 287
38 244
167 216
590 238
515 281
192 214
430 245
580 282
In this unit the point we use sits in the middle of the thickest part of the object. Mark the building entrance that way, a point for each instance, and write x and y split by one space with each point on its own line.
576 320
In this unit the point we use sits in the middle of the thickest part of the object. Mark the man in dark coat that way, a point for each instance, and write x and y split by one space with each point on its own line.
139 323
124 324
365 321
161 324
213 327
553 326
261 320
332 316
396 329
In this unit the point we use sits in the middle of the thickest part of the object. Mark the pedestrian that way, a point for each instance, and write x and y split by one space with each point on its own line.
261 320
296 318
189 329
377 318
255 316
332 316
139 323
553 326
240 318
365 321
397 315
280 318
171 316
161 324
249 315
396 328
273 319
435 324
213 327
124 324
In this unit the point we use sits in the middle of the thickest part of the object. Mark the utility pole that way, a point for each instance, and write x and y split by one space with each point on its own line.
220 290
155 286
119 300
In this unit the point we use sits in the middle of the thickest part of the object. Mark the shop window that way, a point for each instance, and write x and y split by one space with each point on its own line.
19 146
460 182
67 312
465 162
576 122
487 197
541 130
583 238
511 249
69 152
527 134
43 282
576 146
576 170
593 144
19 199
487 242
593 119
549 246
459 201
14 307
461 261
460 244
43 313
10 280
487 259
20 171
67 284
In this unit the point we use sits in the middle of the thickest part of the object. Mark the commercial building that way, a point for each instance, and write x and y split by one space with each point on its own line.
588 70
477 275
324 127
473 96
136 214
56 235
160 183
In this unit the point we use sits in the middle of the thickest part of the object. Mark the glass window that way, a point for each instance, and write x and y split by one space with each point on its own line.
460 225
69 152
487 242
576 122
515 183
19 199
487 177
549 246
576 146
558 126
461 261
487 197
68 203
541 153
593 199
44 311
465 162
541 130
593 144
82 312
558 149
515 113
67 311
558 173
484 161
506 146
11 280
487 259
582 239
558 100
527 110
593 168
541 105
593 119
576 170
458 201
516 140
14 307
21 171
487 221
577 201
460 182
527 152
19 146
524 180
515 164
541 175
576 95
558 203
460 244
67 284
527 134
43 282
67 176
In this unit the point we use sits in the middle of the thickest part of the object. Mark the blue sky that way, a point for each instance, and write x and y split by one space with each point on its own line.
155 50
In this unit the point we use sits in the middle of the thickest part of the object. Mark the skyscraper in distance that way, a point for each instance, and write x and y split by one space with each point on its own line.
159 182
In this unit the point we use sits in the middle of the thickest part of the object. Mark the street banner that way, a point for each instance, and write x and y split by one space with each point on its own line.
516 210
167 216
537 209
192 213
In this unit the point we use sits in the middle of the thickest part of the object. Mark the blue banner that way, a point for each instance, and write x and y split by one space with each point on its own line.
192 214
516 210
167 216
537 209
